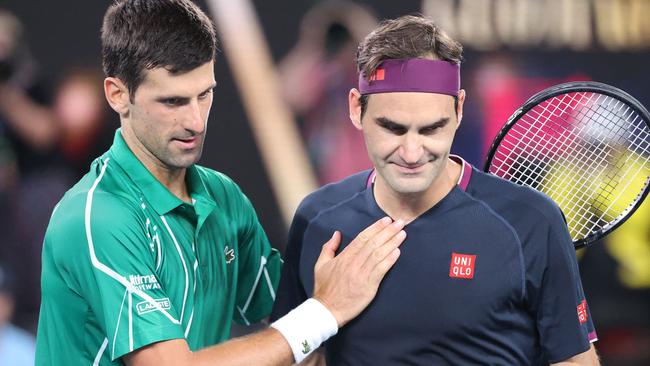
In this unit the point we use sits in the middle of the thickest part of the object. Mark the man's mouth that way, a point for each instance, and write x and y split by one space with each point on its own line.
410 169
187 143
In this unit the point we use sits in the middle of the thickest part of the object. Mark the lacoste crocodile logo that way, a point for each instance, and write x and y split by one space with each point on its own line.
305 347
230 254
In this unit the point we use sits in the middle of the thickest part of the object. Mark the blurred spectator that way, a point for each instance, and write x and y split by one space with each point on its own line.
53 141
17 347
81 110
25 119
317 75
32 131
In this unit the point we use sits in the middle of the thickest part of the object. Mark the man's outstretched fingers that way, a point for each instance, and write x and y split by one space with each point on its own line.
342 283
367 235
368 252
384 266
328 251
385 248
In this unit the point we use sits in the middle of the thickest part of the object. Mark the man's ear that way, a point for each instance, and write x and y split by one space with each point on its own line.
461 101
354 104
117 95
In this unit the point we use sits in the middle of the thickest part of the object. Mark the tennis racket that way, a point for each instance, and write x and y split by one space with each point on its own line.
586 145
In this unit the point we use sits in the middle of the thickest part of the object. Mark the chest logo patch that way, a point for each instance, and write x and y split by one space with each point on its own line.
462 265
582 312
230 254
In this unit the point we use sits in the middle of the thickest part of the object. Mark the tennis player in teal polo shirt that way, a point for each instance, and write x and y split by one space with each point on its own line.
205 259
149 257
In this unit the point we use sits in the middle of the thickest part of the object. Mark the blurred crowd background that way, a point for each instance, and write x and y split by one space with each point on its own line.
54 121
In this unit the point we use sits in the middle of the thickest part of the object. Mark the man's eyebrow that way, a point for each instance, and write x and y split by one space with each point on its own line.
389 123
182 99
442 122
214 85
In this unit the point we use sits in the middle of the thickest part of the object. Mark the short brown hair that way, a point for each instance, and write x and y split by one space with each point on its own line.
409 36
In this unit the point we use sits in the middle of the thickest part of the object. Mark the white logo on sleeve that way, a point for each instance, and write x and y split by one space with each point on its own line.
147 307
144 283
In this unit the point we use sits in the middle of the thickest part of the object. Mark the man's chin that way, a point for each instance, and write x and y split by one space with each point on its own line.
185 162
410 184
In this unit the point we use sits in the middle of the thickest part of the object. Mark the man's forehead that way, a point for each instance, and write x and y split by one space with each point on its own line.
191 81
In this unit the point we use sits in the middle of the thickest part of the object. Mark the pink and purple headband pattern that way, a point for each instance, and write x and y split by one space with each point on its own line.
413 75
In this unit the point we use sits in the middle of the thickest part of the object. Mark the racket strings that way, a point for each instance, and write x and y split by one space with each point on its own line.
587 151
538 157
610 176
576 158
524 141
605 212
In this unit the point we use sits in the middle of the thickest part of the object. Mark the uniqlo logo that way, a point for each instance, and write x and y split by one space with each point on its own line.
462 265
378 75
582 312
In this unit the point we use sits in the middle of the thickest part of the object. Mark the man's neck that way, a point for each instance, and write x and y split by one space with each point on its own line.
410 206
172 179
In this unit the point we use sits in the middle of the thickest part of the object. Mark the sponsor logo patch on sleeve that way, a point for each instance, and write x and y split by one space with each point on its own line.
582 312
147 307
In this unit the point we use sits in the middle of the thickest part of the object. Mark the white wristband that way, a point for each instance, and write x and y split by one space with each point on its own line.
306 327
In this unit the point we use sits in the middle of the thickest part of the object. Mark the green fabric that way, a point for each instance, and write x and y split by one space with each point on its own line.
119 239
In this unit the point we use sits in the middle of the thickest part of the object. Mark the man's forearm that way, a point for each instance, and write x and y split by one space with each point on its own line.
264 348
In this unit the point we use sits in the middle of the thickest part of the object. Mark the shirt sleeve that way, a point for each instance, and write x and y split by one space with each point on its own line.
291 293
563 318
259 267
110 262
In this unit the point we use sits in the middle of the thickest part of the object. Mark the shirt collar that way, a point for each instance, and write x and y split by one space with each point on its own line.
157 195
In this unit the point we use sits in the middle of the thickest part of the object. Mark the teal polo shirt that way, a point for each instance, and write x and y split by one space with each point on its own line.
126 263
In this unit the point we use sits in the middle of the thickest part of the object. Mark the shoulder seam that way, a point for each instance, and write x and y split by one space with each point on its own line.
516 236
321 212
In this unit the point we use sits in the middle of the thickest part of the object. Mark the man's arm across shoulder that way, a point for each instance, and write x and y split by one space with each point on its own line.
345 285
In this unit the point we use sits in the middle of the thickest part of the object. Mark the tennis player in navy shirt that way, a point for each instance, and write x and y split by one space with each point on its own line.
487 273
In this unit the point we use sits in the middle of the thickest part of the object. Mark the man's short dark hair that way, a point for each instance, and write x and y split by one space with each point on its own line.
409 36
140 35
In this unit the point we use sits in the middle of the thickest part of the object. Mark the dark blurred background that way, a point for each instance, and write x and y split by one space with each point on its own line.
54 120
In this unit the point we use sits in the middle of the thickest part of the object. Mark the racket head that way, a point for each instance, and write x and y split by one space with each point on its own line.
584 144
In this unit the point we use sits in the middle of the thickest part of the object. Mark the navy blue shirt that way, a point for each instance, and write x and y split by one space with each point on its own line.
486 276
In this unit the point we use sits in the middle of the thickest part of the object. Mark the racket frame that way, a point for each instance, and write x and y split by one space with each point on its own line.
576 87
